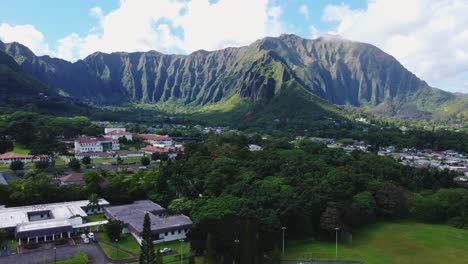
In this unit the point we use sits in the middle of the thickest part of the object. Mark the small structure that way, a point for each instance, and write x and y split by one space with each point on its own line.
163 228
9 157
108 130
157 140
253 147
46 222
74 178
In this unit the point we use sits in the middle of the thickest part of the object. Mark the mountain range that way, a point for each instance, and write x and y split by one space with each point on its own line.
327 70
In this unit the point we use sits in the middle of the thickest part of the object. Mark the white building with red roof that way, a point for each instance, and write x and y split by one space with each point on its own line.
157 140
73 178
116 134
9 157
95 144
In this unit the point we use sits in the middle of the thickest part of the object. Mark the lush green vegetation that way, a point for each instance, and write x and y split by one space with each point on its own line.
126 241
80 258
114 253
390 242
96 218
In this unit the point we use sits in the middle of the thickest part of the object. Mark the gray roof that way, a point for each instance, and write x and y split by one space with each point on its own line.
133 216
44 227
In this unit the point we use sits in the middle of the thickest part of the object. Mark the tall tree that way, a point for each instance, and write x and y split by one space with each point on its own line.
147 255
93 202
16 165
210 253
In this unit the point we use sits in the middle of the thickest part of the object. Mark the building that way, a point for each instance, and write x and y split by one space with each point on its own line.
108 130
171 152
163 228
157 140
74 178
47 222
94 144
116 134
253 147
8 157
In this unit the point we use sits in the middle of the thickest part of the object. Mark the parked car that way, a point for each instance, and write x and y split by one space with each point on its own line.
86 240
165 250
83 236
91 235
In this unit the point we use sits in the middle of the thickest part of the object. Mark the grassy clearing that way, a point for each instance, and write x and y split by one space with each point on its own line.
20 149
126 241
80 258
402 242
114 253
96 218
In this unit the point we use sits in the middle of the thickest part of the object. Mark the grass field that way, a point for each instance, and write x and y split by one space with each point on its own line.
114 253
20 149
113 161
126 241
80 258
96 218
403 242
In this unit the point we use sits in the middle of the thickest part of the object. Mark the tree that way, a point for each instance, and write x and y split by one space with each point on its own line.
74 164
181 206
191 259
276 256
147 248
3 238
16 165
123 140
210 253
159 258
145 161
119 160
93 202
86 160
5 145
41 165
114 229
391 200
330 219
93 180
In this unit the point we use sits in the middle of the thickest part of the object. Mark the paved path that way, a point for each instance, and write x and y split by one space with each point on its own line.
95 254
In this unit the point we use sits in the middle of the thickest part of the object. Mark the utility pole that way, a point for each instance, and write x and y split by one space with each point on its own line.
336 242
283 228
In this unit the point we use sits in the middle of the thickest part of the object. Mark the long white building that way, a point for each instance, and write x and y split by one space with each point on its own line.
48 222
94 144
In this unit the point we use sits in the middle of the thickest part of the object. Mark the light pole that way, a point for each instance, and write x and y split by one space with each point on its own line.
336 242
236 252
55 254
181 254
283 228
116 250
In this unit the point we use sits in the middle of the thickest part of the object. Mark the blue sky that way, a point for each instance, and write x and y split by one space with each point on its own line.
427 36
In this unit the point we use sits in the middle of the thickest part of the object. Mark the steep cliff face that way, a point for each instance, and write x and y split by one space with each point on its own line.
337 70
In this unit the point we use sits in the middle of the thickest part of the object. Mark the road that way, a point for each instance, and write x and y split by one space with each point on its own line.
95 254
2 179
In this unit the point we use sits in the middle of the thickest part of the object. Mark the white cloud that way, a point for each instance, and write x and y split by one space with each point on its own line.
427 36
304 10
175 26
25 34
314 32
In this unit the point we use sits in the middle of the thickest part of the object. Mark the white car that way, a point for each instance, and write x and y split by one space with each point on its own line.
91 235
165 250
86 240
83 236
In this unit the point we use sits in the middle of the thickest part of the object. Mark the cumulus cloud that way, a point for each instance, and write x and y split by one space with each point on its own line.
428 36
175 26
25 34
304 10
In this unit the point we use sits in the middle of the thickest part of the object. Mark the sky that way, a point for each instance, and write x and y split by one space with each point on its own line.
429 37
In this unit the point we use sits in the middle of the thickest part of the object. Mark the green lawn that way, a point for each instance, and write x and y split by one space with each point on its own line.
403 242
12 244
20 149
175 246
126 241
96 218
114 253
80 258
114 160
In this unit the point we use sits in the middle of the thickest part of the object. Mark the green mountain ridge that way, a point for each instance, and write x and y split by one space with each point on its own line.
19 91
336 70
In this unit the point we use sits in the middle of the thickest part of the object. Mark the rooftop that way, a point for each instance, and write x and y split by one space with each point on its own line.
12 216
118 132
154 137
74 177
133 215
93 139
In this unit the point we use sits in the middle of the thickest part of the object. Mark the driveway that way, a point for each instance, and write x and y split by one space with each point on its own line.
95 254
2 179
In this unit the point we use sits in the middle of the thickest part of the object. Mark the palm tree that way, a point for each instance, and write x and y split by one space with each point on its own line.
93 202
